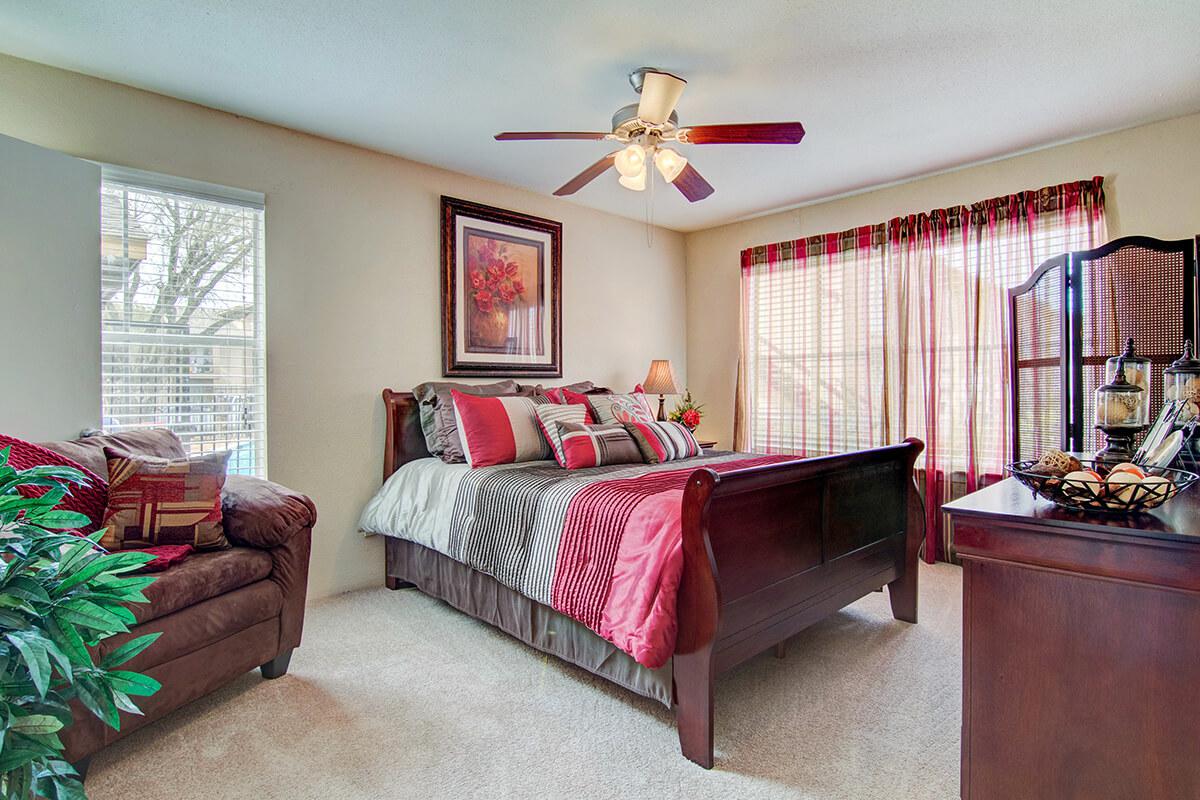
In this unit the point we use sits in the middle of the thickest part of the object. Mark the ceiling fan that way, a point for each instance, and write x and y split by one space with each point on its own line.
644 128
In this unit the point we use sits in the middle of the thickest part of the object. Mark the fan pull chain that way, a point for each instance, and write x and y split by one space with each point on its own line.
650 207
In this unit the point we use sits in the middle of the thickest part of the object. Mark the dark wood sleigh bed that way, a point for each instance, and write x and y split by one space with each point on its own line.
767 551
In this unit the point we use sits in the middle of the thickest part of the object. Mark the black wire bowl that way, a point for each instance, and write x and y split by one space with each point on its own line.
1102 496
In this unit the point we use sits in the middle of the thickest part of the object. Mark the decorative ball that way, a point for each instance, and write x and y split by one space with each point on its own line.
1122 487
1127 467
1154 490
1083 482
1056 460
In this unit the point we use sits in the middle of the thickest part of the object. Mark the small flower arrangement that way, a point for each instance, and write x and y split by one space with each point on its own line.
687 412
495 282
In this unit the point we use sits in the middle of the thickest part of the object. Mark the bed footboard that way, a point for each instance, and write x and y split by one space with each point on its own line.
770 550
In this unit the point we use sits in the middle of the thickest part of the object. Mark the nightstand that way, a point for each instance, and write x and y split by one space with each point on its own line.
707 444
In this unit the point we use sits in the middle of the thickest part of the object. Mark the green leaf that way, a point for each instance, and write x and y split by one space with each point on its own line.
125 704
36 660
15 758
68 640
111 564
35 724
133 683
127 651
90 615
97 698
27 588
61 520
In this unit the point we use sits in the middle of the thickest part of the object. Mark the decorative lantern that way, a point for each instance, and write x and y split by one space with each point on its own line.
1137 370
1181 381
1122 411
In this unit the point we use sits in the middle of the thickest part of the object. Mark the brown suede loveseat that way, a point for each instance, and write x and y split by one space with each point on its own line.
221 613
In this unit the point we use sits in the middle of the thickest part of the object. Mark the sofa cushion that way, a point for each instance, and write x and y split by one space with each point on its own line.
89 450
155 501
88 499
202 576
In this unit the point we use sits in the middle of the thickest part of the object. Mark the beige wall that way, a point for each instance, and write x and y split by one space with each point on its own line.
49 293
1152 187
352 277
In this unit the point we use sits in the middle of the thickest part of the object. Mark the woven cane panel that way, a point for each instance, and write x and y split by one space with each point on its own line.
1130 292
1038 319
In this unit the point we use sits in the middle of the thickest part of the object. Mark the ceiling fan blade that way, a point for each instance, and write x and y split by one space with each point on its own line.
746 133
587 176
520 136
691 184
660 93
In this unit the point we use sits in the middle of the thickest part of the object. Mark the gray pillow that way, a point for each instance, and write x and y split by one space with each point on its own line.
437 412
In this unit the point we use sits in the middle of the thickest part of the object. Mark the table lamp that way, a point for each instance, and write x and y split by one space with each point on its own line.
660 380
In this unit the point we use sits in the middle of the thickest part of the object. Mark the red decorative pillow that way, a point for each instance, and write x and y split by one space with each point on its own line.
596 445
550 415
88 499
663 441
161 501
565 397
499 430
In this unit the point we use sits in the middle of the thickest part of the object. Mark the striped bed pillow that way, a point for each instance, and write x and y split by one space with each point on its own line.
596 445
499 430
550 415
663 441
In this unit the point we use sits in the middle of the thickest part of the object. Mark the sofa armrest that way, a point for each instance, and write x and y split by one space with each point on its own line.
262 514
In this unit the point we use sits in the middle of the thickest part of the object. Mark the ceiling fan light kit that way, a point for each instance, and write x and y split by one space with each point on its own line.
644 126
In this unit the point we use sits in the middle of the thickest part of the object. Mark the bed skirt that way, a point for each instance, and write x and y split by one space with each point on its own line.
485 598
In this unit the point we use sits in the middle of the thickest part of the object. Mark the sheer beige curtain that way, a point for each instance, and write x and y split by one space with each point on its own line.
862 338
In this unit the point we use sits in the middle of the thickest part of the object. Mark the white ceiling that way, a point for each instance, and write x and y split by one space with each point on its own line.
886 90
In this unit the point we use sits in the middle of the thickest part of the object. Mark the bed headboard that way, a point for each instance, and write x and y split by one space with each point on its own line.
405 441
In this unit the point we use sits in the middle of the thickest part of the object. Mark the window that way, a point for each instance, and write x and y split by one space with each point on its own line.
182 313
861 338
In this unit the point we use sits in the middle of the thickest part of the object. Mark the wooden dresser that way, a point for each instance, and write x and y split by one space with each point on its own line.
1081 649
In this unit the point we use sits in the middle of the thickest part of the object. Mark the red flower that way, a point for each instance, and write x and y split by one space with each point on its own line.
506 292
511 268
477 279
496 269
691 418
518 286
483 301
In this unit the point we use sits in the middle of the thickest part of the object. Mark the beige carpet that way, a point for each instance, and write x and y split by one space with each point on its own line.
396 695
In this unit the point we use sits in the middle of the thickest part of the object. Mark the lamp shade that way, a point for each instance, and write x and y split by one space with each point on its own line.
661 378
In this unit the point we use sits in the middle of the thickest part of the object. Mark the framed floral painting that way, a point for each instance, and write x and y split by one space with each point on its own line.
501 296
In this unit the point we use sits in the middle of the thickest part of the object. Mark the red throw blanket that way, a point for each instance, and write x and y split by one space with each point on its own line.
621 558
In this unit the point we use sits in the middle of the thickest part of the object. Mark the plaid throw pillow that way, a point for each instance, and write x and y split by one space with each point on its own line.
663 441
159 501
596 445
550 415
617 409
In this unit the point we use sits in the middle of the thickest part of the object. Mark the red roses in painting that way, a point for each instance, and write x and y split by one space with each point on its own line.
495 282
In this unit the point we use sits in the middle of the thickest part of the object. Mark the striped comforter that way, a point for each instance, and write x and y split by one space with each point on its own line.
601 545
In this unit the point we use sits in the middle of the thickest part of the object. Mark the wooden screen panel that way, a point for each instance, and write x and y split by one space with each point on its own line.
1132 287
1037 333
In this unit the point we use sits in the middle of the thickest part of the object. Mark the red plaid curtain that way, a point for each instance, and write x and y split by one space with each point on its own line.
860 338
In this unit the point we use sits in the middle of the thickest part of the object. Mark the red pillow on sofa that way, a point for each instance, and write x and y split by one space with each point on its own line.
88 499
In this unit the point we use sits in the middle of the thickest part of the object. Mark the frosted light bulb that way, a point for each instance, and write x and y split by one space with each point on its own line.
630 161
635 182
669 163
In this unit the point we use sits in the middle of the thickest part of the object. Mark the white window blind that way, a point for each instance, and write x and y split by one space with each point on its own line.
182 313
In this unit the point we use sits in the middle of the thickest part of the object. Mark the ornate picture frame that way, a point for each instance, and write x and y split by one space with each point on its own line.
501 292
